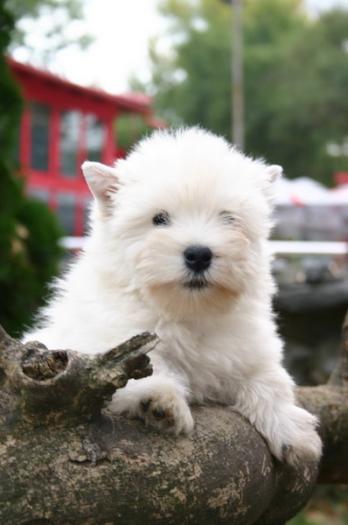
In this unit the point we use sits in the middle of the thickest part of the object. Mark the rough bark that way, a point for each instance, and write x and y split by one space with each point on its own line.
64 460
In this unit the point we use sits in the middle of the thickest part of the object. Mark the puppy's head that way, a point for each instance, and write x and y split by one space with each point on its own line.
183 220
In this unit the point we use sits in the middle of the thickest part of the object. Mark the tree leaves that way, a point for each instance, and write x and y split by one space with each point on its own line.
296 76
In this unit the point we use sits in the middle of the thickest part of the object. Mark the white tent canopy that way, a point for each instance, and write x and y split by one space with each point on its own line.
308 192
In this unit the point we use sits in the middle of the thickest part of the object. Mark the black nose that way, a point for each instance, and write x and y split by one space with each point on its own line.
198 258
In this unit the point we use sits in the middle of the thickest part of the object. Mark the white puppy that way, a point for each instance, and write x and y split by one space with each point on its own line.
178 245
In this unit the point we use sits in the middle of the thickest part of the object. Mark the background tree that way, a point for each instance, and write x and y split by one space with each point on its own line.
29 253
129 129
296 72
57 22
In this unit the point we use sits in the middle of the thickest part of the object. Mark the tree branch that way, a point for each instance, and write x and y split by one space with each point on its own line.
63 460
340 375
64 383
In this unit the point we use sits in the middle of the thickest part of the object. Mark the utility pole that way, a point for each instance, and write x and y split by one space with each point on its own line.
237 91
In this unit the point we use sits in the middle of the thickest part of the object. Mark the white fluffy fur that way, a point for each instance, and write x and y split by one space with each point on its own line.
218 343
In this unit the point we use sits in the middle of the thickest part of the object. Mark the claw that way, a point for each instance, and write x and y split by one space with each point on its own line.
145 405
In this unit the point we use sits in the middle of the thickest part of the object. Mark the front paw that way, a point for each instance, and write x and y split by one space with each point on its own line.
166 411
307 446
157 402
298 439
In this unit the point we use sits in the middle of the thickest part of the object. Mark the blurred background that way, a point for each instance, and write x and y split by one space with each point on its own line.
88 78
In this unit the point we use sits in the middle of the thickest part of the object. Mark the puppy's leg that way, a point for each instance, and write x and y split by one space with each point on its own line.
158 400
267 400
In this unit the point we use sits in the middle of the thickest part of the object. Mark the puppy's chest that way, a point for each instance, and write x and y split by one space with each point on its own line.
205 358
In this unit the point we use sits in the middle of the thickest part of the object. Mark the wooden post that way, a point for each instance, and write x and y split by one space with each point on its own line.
237 105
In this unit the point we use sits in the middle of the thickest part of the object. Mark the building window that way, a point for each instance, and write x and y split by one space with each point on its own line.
40 117
95 137
66 211
70 128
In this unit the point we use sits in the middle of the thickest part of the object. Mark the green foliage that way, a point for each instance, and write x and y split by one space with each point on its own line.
296 76
328 506
56 17
299 520
29 253
32 8
130 128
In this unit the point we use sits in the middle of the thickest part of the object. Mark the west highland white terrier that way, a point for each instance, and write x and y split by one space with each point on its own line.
178 246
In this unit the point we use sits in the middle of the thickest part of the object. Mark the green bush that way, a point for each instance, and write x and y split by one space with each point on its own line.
129 130
29 233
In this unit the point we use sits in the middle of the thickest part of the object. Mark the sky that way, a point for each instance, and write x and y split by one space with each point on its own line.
121 31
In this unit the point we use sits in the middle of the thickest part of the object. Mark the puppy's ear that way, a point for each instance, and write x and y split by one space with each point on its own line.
271 175
274 172
102 181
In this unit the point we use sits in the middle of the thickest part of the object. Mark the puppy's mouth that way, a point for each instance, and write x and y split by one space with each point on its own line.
196 283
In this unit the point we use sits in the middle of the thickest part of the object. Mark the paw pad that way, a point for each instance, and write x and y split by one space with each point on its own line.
154 415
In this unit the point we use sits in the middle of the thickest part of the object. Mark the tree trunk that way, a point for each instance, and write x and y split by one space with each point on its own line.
64 460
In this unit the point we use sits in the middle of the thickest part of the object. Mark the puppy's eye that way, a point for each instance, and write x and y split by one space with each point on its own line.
161 219
227 217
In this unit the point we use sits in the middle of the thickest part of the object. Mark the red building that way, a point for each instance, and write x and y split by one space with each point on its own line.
62 125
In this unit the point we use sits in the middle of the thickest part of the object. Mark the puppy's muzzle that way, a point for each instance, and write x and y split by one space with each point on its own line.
198 258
